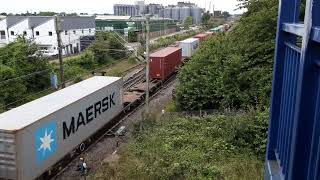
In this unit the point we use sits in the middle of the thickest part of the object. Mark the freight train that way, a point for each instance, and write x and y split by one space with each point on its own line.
39 138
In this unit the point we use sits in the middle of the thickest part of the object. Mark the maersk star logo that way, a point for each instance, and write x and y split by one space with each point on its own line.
46 141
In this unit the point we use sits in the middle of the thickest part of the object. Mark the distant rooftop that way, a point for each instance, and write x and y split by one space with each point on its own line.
124 5
112 17
125 18
67 22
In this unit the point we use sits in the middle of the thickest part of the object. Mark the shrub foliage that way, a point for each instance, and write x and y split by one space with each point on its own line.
233 70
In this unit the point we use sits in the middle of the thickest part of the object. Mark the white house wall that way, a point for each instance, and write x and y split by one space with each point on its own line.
18 30
3 27
70 38
44 39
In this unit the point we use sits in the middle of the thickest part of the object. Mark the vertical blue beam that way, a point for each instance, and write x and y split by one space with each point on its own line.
288 112
296 60
314 159
314 155
288 12
305 106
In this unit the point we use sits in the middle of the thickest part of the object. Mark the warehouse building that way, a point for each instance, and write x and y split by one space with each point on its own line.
123 24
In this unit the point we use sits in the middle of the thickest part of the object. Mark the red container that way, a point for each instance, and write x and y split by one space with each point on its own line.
202 37
165 62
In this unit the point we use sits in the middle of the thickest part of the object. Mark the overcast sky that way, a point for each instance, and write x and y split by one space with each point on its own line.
96 6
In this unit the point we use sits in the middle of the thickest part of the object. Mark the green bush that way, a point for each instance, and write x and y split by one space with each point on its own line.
87 60
78 78
194 148
233 70
19 61
132 60
72 72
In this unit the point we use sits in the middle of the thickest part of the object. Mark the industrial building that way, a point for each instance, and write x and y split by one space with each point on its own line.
122 24
141 7
182 12
217 13
125 10
154 9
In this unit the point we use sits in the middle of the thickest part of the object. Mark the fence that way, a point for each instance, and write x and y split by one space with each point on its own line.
293 150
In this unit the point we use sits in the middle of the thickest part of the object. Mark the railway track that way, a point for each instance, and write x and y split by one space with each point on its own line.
107 131
135 79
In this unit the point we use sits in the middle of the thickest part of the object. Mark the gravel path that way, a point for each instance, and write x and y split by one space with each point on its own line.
102 151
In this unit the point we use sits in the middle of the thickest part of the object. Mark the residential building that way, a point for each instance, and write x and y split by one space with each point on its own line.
141 7
42 31
154 9
217 13
125 10
5 24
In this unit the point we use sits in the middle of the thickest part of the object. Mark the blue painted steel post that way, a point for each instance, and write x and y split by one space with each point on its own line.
314 159
307 91
288 12
304 118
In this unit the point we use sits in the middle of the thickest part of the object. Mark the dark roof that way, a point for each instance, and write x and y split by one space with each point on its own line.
35 21
13 20
69 22
165 52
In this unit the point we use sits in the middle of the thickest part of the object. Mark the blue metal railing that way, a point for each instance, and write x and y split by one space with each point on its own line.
294 133
290 78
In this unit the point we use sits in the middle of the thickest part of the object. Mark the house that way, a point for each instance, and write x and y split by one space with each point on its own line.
42 31
5 24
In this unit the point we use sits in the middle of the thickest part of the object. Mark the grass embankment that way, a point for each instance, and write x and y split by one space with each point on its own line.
212 147
121 67
81 67
164 42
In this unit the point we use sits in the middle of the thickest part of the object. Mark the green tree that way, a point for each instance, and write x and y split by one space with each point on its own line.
23 71
188 22
11 91
233 70
47 13
206 17
107 45
133 36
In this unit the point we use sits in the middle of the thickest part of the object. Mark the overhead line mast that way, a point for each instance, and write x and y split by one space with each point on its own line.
58 32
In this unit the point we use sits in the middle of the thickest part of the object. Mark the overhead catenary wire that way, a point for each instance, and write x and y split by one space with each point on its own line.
117 51
25 98
50 88
24 76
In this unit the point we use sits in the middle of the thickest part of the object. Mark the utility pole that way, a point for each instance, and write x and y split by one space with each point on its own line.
147 59
58 32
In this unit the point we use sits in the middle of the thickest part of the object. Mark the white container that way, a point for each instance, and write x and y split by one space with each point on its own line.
35 136
189 46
